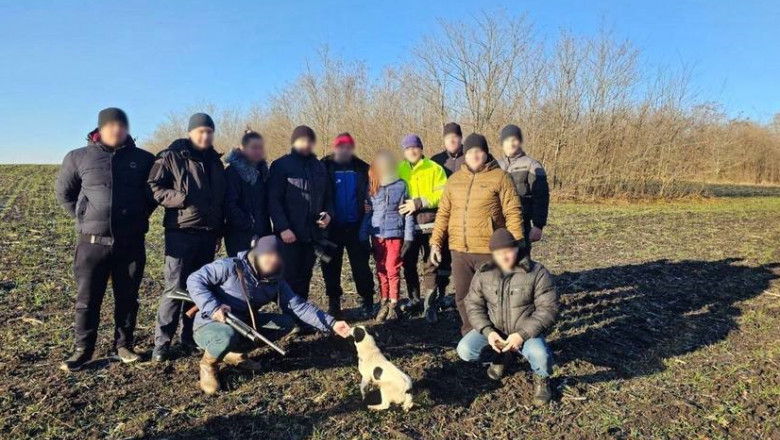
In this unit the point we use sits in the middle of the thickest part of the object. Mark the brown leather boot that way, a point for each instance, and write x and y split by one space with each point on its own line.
542 390
240 360
209 374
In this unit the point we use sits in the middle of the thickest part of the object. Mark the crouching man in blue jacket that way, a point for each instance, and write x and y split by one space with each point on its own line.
253 279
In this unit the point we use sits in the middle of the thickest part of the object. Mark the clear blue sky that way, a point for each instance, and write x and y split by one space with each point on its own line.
63 61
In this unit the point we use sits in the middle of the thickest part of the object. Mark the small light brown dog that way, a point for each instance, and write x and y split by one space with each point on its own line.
395 387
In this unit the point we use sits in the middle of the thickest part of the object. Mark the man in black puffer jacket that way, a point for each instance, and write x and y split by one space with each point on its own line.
103 186
301 205
188 179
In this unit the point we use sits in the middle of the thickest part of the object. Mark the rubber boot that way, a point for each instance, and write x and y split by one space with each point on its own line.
542 390
209 374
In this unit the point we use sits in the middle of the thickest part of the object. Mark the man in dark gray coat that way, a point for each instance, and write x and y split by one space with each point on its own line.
530 182
511 304
103 186
188 179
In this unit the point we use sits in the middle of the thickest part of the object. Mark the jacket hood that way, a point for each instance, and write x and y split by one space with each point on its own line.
93 139
248 173
183 146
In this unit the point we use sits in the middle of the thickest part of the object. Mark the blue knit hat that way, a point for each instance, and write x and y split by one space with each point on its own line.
412 140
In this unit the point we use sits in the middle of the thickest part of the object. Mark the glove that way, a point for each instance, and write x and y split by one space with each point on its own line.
405 248
435 255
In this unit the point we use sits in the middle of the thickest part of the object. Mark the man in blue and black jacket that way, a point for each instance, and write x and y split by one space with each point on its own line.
349 181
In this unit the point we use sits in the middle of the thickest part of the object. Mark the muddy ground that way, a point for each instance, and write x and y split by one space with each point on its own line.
669 330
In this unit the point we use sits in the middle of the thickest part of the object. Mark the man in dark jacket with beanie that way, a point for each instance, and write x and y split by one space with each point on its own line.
103 186
511 304
452 157
349 180
530 182
188 179
301 207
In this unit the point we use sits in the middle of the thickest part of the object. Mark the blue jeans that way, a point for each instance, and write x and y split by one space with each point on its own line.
219 339
535 350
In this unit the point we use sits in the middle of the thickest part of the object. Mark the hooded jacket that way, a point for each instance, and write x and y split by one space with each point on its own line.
384 220
246 198
473 206
531 185
190 185
522 301
218 283
105 189
298 190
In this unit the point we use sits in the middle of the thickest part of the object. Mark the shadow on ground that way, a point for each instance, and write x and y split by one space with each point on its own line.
630 318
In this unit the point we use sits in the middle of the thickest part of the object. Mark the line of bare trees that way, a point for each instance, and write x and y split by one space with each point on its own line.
601 122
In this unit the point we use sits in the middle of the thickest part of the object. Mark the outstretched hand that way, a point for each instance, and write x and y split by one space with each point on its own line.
342 329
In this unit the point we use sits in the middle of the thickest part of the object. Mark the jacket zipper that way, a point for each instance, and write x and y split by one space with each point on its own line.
465 212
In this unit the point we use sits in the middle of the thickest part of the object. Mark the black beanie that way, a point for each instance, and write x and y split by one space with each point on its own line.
303 131
453 128
112 114
475 140
502 239
200 120
511 130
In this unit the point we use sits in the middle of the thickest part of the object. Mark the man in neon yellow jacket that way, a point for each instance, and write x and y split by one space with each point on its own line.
425 180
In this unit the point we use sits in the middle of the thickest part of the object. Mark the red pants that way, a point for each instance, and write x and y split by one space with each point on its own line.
387 253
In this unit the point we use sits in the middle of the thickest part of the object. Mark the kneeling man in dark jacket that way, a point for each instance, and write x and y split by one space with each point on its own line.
231 285
512 302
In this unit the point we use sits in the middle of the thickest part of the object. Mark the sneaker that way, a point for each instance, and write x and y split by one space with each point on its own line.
542 390
127 355
497 368
79 358
383 311
161 353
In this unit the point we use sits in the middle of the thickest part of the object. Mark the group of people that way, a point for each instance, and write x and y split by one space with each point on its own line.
461 213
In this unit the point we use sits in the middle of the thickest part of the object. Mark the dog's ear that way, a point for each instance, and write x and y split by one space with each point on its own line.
377 373
359 333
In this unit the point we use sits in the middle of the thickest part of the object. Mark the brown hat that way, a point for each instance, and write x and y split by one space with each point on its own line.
502 239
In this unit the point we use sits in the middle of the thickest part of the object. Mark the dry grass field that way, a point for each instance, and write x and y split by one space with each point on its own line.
669 329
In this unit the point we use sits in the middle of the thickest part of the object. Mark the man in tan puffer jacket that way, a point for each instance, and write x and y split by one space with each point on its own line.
478 199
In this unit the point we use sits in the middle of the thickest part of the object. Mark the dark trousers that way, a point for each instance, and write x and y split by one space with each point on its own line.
93 265
237 241
434 277
299 258
464 266
346 237
185 252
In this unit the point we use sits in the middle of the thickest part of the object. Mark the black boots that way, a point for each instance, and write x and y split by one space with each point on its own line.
498 366
542 390
334 306
430 305
79 358
367 307
161 353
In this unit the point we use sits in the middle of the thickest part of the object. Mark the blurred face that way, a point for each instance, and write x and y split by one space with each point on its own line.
452 142
304 145
386 164
511 146
343 153
475 159
202 137
113 134
505 258
254 151
268 263
413 154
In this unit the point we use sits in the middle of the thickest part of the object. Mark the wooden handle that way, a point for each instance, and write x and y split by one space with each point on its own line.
191 312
